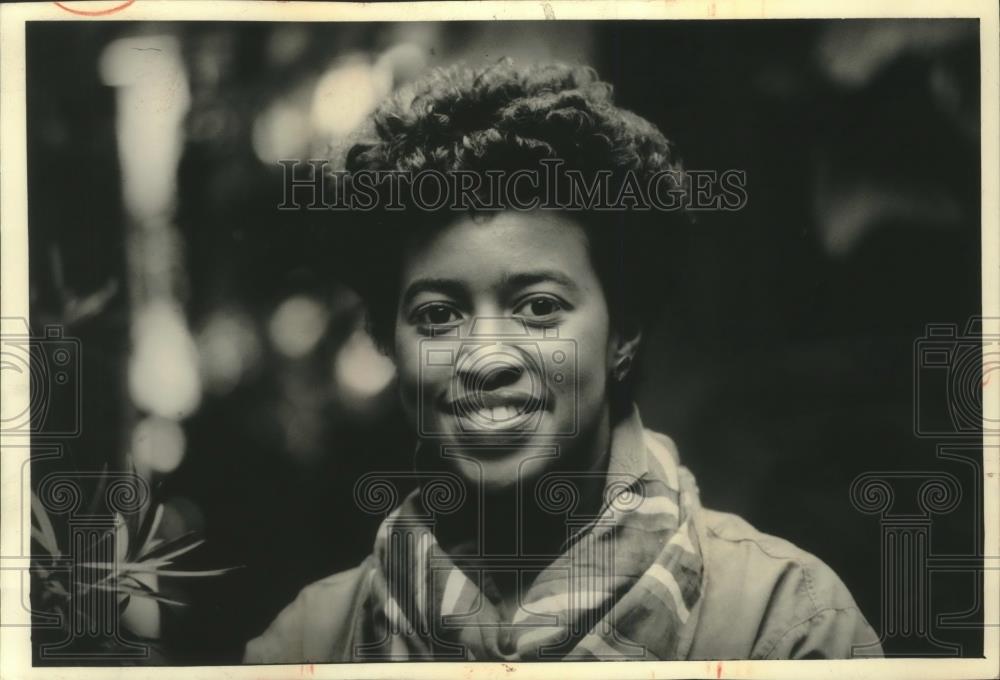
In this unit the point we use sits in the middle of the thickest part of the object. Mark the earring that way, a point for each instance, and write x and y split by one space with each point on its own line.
622 368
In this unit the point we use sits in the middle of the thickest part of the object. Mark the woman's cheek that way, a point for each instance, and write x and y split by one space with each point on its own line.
408 371
591 373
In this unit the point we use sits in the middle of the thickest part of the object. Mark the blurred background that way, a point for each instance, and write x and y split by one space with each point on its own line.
224 361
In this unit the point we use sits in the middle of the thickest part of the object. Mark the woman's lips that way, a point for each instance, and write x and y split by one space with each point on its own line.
497 407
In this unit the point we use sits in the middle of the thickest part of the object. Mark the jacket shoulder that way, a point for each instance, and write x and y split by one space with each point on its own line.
773 558
773 599
317 625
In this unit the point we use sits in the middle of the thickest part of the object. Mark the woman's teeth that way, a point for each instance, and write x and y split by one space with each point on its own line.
497 413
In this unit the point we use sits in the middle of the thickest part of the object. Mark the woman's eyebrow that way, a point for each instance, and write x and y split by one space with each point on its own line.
524 279
449 287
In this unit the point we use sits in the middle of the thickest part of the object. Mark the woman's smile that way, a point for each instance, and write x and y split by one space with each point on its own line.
502 343
504 406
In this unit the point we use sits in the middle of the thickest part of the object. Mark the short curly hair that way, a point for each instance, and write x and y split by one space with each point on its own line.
507 117
501 116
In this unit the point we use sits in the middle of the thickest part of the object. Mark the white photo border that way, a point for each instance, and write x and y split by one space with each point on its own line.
15 659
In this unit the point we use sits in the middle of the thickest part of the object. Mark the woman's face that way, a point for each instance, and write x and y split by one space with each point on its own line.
503 348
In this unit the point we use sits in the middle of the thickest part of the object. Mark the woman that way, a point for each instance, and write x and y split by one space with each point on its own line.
566 530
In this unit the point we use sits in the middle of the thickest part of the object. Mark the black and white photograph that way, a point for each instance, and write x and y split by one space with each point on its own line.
493 333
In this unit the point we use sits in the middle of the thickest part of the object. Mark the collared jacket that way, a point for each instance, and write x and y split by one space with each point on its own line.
761 598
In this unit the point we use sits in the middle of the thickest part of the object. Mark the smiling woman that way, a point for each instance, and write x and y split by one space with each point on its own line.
533 269
569 530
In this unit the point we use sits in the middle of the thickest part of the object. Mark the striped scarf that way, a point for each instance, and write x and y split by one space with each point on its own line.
623 588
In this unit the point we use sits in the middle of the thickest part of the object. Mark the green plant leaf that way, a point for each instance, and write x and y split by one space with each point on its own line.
121 538
44 541
126 568
148 529
57 588
165 547
163 558
169 557
129 591
45 524
136 583
160 598
140 568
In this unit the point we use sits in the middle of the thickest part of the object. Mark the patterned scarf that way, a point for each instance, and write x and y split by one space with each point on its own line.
623 588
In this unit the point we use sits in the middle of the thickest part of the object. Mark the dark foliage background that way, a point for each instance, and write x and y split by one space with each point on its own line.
784 369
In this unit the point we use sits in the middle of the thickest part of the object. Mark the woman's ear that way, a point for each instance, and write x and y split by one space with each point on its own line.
625 347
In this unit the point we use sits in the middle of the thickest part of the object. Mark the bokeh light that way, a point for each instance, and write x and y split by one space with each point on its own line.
228 348
158 444
281 132
297 325
360 371
347 93
152 91
163 370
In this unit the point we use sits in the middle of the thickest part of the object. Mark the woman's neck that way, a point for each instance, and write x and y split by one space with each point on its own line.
515 523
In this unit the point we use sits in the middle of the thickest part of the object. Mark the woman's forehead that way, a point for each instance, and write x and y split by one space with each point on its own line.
501 246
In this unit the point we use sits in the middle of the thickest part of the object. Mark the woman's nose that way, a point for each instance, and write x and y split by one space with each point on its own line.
489 374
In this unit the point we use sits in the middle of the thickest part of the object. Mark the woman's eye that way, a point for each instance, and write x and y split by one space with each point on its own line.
539 307
436 315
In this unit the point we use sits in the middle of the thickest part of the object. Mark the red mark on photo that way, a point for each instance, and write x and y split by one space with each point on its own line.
96 12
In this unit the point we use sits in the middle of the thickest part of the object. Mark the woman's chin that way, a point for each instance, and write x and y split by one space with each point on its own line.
492 465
